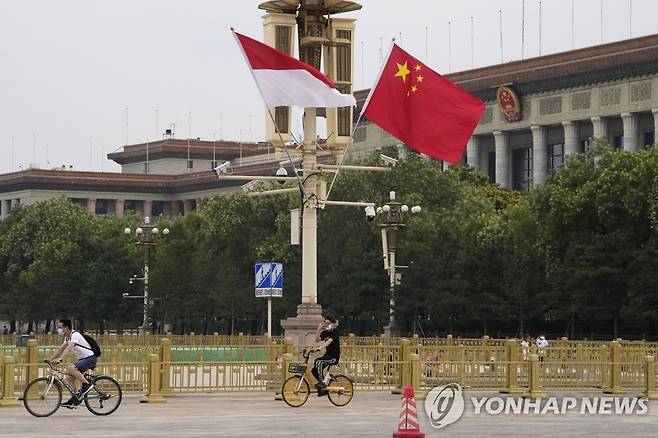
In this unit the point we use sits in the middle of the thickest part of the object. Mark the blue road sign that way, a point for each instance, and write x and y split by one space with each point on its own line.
268 279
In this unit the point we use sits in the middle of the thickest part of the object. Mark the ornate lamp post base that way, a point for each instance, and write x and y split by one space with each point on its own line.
302 328
391 330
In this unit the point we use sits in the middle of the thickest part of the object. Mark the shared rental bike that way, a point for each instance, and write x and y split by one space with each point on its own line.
297 388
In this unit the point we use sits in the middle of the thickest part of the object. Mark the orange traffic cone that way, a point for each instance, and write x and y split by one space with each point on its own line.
409 426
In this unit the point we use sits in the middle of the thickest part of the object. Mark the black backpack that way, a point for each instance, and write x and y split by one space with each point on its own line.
92 343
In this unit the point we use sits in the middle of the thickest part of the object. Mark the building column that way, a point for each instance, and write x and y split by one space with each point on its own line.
539 155
473 152
91 206
118 207
630 131
188 207
197 207
173 209
655 125
600 128
571 145
148 208
502 160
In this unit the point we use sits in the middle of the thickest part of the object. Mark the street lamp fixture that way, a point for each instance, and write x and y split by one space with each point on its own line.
145 234
391 218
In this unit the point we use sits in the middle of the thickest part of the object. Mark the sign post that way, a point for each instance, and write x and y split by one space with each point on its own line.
269 283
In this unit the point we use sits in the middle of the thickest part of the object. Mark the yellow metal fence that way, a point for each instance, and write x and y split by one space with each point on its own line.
214 367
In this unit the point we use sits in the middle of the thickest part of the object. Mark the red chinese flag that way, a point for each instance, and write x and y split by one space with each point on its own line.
422 108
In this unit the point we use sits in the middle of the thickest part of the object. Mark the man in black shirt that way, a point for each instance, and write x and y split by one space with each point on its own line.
327 338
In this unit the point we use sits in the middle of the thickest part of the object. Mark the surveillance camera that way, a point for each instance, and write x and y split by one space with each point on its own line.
370 213
388 160
281 171
222 168
125 294
251 186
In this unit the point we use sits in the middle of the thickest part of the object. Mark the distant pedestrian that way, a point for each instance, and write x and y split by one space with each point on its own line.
5 330
542 343
525 347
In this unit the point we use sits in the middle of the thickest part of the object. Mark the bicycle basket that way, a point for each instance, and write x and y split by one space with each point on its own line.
297 368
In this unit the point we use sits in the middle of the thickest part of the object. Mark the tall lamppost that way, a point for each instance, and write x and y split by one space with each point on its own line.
391 217
145 234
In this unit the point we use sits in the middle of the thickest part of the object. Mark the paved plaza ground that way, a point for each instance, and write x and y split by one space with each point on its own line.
258 415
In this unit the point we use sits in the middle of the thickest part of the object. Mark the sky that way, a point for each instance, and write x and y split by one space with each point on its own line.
81 78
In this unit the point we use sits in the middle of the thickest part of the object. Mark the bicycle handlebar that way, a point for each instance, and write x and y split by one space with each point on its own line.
50 364
307 352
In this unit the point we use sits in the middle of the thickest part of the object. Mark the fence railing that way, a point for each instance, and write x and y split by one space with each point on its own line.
134 339
501 366
128 338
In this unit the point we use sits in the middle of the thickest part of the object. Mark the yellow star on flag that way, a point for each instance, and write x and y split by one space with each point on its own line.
413 88
417 67
419 78
403 71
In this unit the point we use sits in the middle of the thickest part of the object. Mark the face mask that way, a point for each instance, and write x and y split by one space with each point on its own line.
60 331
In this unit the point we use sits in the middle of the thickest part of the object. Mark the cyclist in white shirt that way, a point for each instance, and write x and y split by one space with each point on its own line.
74 341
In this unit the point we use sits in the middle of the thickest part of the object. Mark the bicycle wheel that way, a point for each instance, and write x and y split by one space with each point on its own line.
291 395
105 398
42 397
343 396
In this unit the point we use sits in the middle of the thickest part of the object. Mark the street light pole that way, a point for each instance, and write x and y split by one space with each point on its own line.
310 213
146 239
145 318
391 217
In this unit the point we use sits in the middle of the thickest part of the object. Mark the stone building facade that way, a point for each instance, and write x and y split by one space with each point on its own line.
166 183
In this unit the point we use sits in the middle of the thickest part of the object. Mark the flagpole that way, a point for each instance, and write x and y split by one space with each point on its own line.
523 30
630 18
500 20
363 67
573 31
601 17
472 46
189 134
539 27
449 49
427 59
381 54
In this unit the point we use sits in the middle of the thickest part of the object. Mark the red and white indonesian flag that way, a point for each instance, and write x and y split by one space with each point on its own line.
284 80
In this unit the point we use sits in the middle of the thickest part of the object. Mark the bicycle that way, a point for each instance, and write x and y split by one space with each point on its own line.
43 396
296 389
